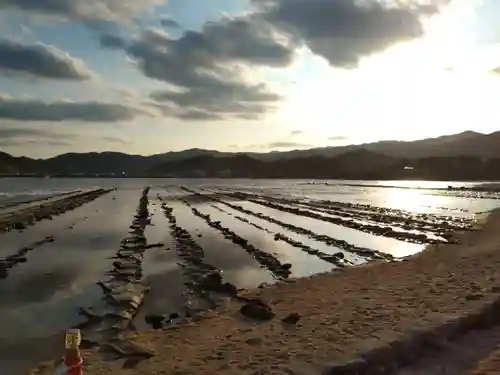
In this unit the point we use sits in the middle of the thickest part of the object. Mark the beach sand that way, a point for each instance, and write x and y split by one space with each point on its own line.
344 315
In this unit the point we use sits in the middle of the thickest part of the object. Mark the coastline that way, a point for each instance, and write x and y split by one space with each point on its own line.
344 315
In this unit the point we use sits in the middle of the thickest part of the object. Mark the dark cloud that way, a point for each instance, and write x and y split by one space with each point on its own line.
34 142
117 140
197 115
337 138
25 136
222 99
296 132
496 70
344 31
284 144
41 60
112 41
170 23
35 110
87 10
16 136
208 66
27 132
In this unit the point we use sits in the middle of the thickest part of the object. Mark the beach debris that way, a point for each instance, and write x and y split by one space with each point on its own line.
257 310
72 361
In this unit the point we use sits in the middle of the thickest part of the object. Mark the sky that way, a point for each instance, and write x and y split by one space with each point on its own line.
151 76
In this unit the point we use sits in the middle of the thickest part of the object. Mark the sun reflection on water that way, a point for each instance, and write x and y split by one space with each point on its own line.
412 200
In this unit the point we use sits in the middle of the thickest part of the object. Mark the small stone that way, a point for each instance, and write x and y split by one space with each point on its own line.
473 297
19 225
254 341
257 310
292 318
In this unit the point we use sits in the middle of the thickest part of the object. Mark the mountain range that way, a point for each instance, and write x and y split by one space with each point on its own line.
467 155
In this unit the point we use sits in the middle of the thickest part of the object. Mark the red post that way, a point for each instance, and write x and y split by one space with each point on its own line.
72 357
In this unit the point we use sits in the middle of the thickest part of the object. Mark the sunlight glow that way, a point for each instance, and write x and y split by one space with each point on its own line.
437 84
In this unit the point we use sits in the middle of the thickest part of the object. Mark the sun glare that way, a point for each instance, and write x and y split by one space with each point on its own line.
436 84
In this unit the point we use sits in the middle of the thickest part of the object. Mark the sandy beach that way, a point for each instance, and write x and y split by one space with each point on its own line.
350 319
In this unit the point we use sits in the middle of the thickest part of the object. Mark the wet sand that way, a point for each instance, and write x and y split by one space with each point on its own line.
348 316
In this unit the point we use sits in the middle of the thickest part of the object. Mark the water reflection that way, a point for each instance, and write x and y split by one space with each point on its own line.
41 296
411 200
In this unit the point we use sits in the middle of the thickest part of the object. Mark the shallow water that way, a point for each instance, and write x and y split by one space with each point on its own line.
39 298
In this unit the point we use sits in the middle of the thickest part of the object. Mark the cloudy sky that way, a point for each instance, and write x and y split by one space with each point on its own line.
149 76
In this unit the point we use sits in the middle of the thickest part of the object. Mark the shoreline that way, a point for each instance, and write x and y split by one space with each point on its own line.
452 289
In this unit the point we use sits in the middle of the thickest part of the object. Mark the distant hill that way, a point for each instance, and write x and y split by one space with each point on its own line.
467 155
468 143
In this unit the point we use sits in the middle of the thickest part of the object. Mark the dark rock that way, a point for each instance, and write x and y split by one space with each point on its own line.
292 318
173 316
257 310
339 255
156 321
19 259
286 266
19 225
228 288
211 281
